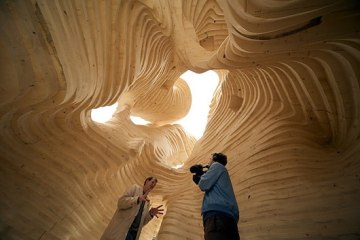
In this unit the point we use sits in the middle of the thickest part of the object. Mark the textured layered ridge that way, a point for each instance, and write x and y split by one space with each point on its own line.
286 113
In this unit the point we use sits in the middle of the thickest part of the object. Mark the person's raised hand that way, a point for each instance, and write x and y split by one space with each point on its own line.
157 210
144 198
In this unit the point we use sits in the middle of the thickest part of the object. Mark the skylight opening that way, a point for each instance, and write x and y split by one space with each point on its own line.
202 87
103 114
139 120
178 166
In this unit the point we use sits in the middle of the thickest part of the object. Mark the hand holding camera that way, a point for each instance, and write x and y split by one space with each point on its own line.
198 171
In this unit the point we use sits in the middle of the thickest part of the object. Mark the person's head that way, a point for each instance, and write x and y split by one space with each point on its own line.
149 184
218 157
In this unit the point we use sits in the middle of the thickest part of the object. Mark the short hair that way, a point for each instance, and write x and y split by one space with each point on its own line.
220 158
150 178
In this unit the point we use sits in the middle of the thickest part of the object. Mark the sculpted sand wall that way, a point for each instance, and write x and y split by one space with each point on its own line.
286 112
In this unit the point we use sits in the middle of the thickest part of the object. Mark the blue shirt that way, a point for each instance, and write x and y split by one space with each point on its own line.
219 194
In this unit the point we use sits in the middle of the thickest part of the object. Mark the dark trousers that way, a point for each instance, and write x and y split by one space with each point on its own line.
131 235
221 227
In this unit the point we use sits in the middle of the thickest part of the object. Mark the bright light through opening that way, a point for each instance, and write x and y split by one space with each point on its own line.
103 114
178 166
202 88
138 120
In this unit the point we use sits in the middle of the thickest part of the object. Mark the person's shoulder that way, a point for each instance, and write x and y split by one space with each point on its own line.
135 186
218 165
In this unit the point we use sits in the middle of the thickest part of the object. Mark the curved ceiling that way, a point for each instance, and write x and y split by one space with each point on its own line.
286 113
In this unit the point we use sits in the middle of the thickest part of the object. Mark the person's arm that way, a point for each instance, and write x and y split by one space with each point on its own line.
147 217
208 180
129 199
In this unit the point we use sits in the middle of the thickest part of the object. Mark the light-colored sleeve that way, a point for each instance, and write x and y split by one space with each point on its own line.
129 198
208 180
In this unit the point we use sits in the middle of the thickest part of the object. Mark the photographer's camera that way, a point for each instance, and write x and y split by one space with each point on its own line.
198 171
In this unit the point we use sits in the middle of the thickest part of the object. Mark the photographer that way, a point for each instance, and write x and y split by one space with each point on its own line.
219 208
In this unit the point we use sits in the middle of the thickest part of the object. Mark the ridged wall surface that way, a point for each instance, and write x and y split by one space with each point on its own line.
286 112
